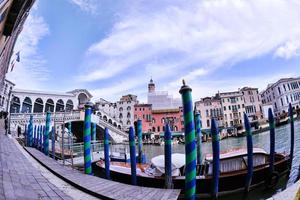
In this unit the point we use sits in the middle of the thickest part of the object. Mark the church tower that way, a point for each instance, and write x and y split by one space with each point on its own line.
151 86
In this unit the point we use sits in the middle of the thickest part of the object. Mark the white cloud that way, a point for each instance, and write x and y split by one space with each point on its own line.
289 49
89 6
191 39
31 71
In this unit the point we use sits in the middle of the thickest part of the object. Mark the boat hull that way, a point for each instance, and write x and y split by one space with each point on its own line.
228 183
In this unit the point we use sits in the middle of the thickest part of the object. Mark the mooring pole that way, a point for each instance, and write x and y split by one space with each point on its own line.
291 113
190 145
69 135
30 131
26 136
37 137
94 130
87 139
168 157
132 155
53 141
106 153
199 139
34 136
216 157
46 135
249 153
140 140
41 137
272 140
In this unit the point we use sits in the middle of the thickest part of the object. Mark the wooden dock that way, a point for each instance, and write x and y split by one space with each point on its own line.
99 187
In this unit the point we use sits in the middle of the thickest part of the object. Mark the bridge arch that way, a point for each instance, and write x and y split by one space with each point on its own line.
105 118
110 121
16 105
82 98
49 106
115 124
27 105
119 127
69 105
59 105
38 106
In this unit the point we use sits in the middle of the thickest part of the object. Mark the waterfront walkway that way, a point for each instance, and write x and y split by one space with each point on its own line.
99 187
19 179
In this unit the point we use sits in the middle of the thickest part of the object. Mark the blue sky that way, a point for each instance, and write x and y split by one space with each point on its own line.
113 48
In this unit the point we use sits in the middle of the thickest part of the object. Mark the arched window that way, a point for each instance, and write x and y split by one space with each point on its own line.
121 109
115 124
128 115
105 118
59 106
175 128
153 120
49 105
158 129
128 122
162 120
110 121
69 105
27 105
121 116
119 127
82 98
128 108
153 129
15 106
38 106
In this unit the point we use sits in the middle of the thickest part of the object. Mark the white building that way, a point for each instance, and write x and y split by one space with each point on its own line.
233 108
30 101
210 108
161 99
281 93
122 111
5 94
253 105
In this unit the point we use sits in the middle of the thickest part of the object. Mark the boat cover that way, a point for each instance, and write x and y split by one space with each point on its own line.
157 167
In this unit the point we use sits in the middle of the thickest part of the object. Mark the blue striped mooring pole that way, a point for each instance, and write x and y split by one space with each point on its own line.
87 139
30 131
249 153
140 140
94 131
53 141
46 135
168 157
34 136
291 113
106 153
190 144
272 139
216 158
132 156
199 138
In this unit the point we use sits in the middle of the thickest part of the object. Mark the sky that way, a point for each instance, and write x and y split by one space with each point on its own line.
113 48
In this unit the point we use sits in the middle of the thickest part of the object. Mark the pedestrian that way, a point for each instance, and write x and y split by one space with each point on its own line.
6 125
19 131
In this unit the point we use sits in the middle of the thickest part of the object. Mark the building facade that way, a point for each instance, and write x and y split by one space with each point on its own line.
13 14
27 101
210 108
161 99
281 93
5 95
122 110
154 121
253 104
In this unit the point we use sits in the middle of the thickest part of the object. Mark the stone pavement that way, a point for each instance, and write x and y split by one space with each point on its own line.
18 178
288 194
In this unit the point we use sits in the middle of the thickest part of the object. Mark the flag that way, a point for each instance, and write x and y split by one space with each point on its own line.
18 56
12 67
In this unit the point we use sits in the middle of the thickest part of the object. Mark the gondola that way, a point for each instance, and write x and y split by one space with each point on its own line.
233 172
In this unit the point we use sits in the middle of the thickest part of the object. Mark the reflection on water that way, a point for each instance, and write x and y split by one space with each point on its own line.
259 140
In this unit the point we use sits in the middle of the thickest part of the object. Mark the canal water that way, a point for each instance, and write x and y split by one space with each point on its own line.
260 140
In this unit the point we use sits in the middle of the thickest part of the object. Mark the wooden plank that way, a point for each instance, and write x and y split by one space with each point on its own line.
101 187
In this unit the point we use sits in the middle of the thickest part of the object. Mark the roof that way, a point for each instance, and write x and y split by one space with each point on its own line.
280 81
42 92
10 82
143 105
235 153
76 91
248 88
174 110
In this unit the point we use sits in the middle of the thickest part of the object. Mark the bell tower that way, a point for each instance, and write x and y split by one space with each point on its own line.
151 86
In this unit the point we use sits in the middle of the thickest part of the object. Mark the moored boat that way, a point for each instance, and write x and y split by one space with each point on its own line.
233 171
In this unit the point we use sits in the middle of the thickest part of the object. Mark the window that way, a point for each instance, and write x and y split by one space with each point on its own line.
120 116
207 123
224 108
128 115
229 107
128 108
158 129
